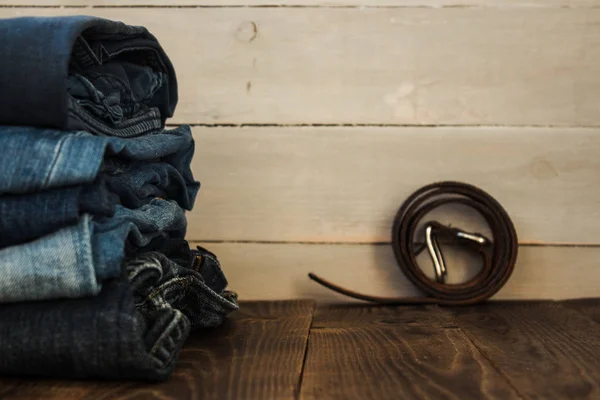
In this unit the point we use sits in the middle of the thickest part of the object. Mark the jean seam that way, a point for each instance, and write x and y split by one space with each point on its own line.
51 171
167 334
151 122
87 255
158 292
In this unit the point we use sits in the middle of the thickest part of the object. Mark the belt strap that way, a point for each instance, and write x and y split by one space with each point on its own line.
499 255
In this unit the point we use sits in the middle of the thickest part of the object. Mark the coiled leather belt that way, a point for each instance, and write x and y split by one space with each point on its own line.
498 255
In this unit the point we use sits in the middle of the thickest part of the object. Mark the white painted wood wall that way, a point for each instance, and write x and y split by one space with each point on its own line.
314 119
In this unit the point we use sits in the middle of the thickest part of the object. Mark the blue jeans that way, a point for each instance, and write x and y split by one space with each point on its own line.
136 183
43 159
30 216
83 72
131 184
133 329
74 261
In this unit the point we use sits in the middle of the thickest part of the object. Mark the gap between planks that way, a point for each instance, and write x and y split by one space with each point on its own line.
343 324
298 4
351 125
298 391
316 243
490 361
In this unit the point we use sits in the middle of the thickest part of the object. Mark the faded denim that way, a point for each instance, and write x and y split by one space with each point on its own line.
129 331
83 72
131 184
74 261
43 159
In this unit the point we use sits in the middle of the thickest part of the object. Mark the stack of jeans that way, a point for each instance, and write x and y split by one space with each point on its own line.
96 278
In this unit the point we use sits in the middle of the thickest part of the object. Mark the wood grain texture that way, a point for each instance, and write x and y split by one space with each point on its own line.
279 271
395 353
408 66
257 354
498 350
589 307
307 3
545 350
346 184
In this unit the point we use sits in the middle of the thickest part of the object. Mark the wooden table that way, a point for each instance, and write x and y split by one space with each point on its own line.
294 350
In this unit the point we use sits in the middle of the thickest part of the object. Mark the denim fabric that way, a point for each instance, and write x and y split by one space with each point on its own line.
74 261
200 260
103 103
30 216
139 182
107 336
193 284
93 337
83 72
43 159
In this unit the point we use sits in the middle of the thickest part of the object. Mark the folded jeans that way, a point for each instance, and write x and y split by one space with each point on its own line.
137 183
30 216
132 184
119 334
74 261
43 159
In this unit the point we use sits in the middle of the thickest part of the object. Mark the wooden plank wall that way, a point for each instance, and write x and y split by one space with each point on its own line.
315 119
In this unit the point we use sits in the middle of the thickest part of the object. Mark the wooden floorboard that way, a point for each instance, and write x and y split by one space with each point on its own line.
545 350
496 350
395 353
258 354
588 307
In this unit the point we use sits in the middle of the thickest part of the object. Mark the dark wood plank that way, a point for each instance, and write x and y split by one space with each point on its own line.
257 354
545 350
414 352
588 307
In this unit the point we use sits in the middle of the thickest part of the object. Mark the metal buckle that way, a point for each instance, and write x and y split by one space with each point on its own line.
432 229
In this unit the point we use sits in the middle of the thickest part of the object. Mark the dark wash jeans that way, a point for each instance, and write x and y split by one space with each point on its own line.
132 184
30 216
137 183
134 329
194 283
83 72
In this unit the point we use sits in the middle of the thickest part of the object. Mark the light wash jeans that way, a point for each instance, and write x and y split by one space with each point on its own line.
42 159
74 261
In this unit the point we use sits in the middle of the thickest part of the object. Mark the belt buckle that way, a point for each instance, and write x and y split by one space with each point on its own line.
433 229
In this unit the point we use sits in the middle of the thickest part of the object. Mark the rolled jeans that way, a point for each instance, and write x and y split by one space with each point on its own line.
83 72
